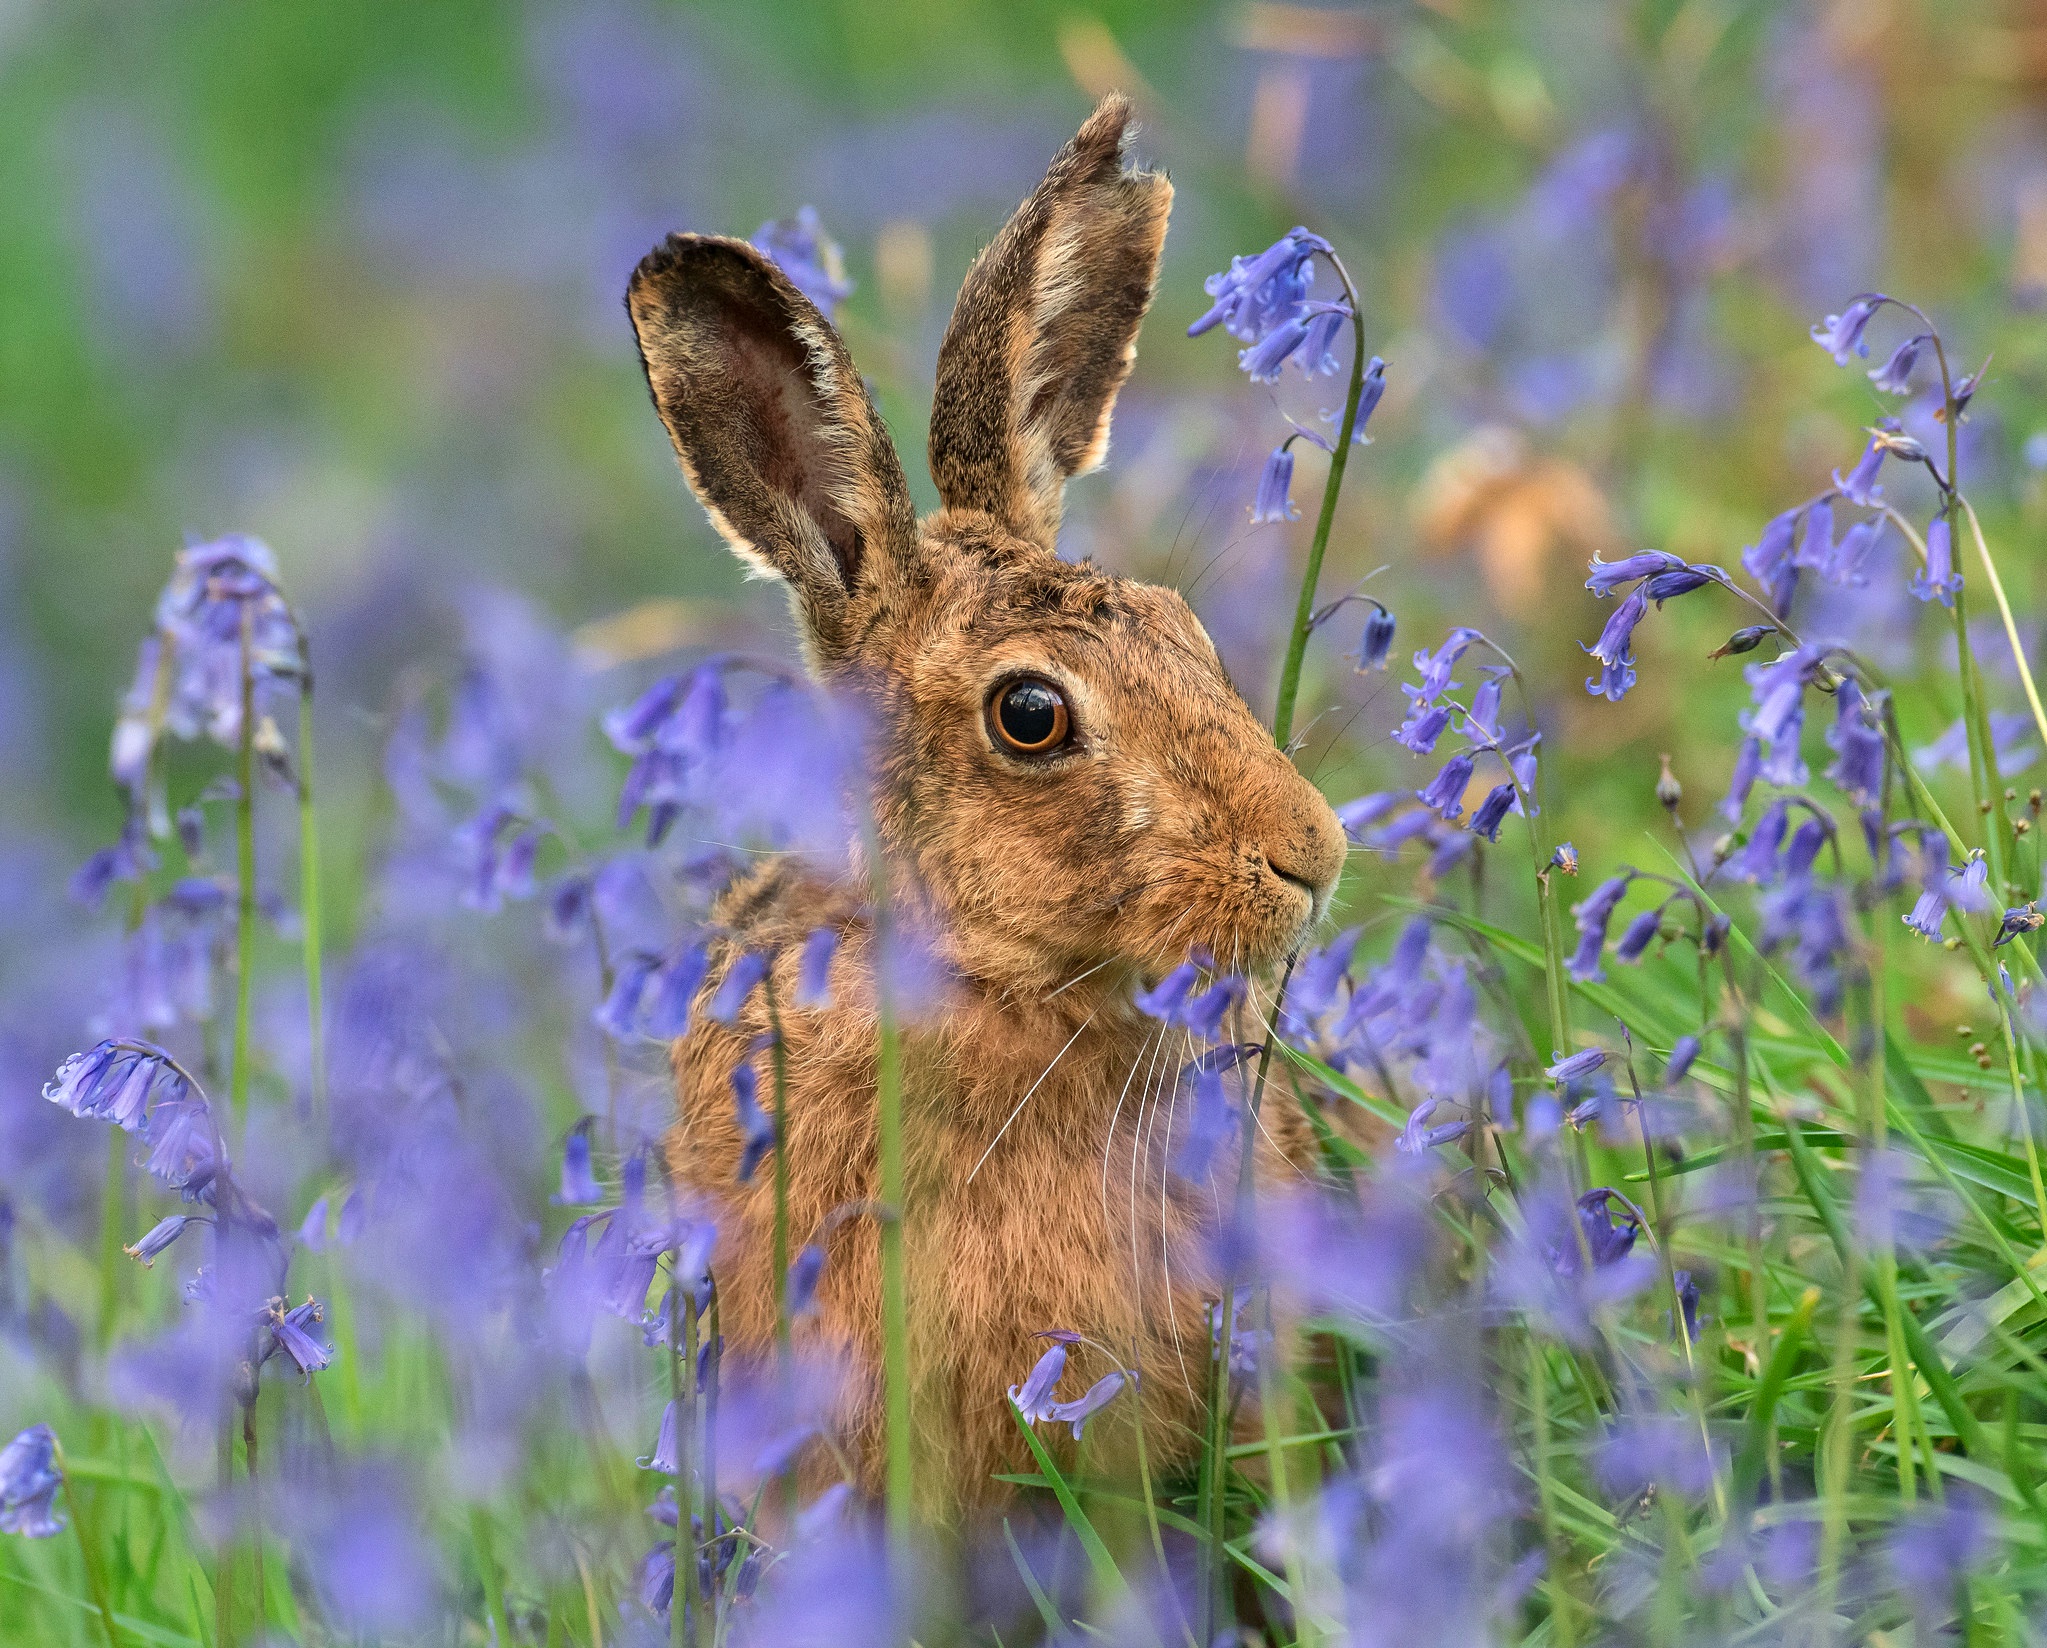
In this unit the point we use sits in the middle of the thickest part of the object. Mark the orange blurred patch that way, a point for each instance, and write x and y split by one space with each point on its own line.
1514 507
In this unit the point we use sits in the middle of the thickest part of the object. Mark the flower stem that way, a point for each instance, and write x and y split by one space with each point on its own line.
245 873
1304 608
88 1551
899 1479
2011 628
310 925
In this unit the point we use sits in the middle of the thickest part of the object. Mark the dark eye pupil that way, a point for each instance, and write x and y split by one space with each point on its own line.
1030 712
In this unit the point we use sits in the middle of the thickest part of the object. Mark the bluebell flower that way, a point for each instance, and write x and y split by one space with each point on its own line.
1608 576
1033 1398
1748 762
1931 907
29 1481
1273 502
1482 722
739 983
809 257
1757 861
1610 1224
1370 393
1682 1057
1378 639
1938 580
1417 1136
1612 647
2023 918
290 1336
814 968
619 1013
670 993
1766 558
806 1270
1367 810
1778 718
1254 295
1521 762
672 731
1816 542
130 858
1804 847
1851 554
1638 935
1894 377
1681 580
1665 1451
1858 746
756 1126
1204 1014
1593 916
1485 820
1576 1065
579 1185
663 1459
1933 1548
1211 1124
1434 668
1425 724
1444 794
1968 887
1860 484
312 1232
1097 1397
568 906
1166 999
1614 680
161 1235
1565 858
1841 335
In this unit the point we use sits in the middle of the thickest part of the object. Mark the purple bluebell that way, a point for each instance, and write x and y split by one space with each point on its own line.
1370 392
1418 1136
1033 1398
1816 542
1486 818
1682 1057
1210 1127
1667 586
671 991
1482 723
756 1126
1748 762
1937 580
1968 887
1930 910
1204 1013
1319 976
1367 810
1377 641
1273 501
1564 858
2024 918
29 1481
1804 847
1444 794
619 1013
1859 485
1521 762
1608 576
1638 935
809 257
312 1232
1576 1065
738 983
130 858
1859 762
806 1270
1667 1451
1614 680
579 1186
1778 718
1934 1548
160 1236
1167 999
290 1336
814 968
1593 915
673 730
1256 294
1425 723
1841 335
568 906
1097 1397
1757 860
1766 558
663 1459
1610 1224
1434 668
1851 554
1894 377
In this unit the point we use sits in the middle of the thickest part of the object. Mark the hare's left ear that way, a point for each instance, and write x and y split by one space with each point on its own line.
1045 333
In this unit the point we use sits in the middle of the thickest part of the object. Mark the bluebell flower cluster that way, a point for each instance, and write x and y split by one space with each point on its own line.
809 257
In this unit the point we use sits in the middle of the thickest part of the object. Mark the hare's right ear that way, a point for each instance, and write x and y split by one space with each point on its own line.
1045 333
774 428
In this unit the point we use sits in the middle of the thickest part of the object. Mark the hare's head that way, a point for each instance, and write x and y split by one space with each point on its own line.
1060 759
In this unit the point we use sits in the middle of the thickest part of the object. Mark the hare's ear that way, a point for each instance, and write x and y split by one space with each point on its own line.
1045 333
775 430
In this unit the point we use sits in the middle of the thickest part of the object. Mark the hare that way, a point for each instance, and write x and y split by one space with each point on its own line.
1066 788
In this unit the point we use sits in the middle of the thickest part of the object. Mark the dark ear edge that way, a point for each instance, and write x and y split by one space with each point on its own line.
1045 332
774 429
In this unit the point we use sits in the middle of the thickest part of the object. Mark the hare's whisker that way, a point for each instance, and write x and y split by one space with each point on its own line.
1108 1144
1077 977
1026 1099
1165 1228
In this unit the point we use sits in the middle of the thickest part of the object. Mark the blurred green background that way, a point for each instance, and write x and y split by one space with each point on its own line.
348 276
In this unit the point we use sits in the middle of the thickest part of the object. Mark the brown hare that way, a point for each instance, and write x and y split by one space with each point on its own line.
1067 791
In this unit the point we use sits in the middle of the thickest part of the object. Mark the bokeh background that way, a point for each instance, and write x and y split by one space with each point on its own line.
346 274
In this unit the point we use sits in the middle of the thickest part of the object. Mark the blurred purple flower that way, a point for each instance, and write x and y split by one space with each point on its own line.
1679 1064
806 1270
1937 580
1895 375
1593 915
1860 484
29 1481
161 1235
1581 1063
1097 1397
1933 1549
809 257
1930 910
1377 641
579 1186
1858 744
813 969
739 982
756 1126
1272 502
1841 335
1417 1136
1660 1450
1487 817
1033 1398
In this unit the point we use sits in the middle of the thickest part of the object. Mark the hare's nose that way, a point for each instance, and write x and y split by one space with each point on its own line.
1307 847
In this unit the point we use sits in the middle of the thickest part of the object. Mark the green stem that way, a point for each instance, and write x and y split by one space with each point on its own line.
487 1565
1304 608
1216 1470
245 872
88 1551
310 925
899 1481
113 1196
682 1600
1561 1603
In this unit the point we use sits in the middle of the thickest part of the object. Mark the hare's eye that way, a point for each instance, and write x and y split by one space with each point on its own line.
1029 716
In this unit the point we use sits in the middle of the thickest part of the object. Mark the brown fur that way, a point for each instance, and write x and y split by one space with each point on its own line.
1054 887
